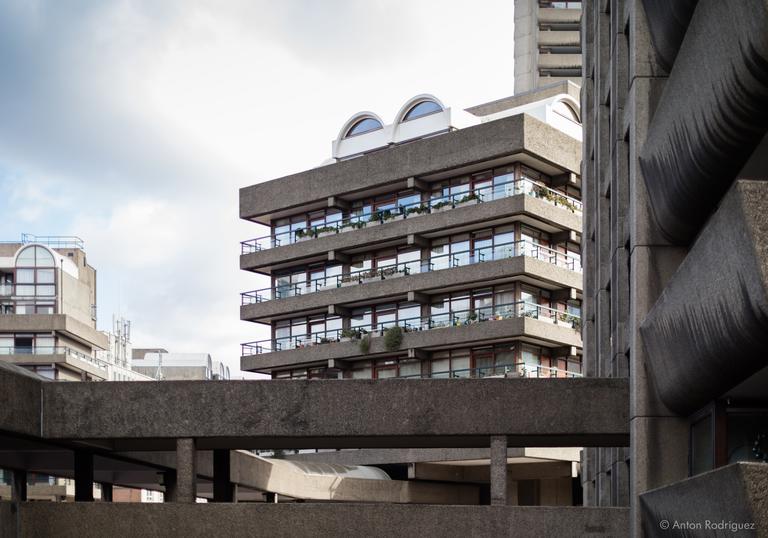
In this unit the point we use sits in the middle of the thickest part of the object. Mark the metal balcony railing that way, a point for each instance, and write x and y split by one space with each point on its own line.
53 350
435 263
506 189
420 323
519 369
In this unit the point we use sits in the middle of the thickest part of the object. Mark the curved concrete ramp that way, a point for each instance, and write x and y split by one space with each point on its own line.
351 483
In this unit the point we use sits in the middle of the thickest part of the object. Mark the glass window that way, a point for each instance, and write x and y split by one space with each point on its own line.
44 257
441 368
25 276
364 125
26 257
46 291
45 276
422 109
410 368
26 291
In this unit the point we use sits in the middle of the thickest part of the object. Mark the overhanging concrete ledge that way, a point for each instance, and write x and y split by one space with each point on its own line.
339 414
740 498
708 331
83 520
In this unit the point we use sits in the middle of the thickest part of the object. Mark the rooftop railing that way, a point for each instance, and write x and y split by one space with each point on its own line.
506 189
418 323
501 251
53 350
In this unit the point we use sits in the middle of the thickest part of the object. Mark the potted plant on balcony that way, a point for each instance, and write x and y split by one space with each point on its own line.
442 206
303 234
374 219
350 280
417 210
365 344
370 276
469 199
326 230
348 334
393 338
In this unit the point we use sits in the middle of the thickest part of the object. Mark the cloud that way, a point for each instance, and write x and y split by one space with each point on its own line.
132 123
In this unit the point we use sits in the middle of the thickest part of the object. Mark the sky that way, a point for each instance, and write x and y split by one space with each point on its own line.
133 123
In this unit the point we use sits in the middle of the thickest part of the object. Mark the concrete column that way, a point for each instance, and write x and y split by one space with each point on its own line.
186 470
83 476
19 486
222 487
106 492
498 470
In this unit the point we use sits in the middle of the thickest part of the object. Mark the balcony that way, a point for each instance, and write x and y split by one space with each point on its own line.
481 266
40 355
507 189
539 324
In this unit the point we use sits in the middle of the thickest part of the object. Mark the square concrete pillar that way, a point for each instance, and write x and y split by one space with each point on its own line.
498 470
19 486
186 471
222 487
83 476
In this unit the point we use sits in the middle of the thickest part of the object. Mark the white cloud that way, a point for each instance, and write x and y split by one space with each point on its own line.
132 123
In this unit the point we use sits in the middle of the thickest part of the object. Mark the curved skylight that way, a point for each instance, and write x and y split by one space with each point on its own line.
365 125
422 109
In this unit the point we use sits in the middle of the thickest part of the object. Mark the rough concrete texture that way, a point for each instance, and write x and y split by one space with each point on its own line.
709 328
706 126
542 92
383 456
28 323
668 22
81 520
484 142
435 281
487 213
466 335
732 496
349 414
20 395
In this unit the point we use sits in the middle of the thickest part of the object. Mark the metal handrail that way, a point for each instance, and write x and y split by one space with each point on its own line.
518 369
500 251
52 350
455 318
498 191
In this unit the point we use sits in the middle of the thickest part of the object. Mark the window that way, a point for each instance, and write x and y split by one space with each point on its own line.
365 125
422 109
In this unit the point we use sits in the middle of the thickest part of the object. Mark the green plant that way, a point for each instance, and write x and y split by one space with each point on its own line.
387 215
325 229
468 198
442 204
419 209
393 337
375 217
365 344
303 232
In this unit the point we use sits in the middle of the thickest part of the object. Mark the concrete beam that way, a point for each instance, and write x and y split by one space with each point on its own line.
417 240
417 297
565 294
481 473
336 310
338 257
567 236
311 519
702 134
417 184
420 354
334 202
563 180
708 330
355 413
668 22
20 396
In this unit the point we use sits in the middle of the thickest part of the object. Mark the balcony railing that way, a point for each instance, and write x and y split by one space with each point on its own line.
483 194
420 323
501 251
519 369
53 350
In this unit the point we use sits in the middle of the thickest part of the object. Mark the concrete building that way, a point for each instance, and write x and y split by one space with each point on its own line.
675 255
547 43
427 251
48 309
160 365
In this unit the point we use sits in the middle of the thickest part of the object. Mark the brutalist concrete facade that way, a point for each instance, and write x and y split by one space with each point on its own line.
547 43
674 286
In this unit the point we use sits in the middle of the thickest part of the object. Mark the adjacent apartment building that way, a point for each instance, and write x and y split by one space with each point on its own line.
676 251
426 251
547 43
